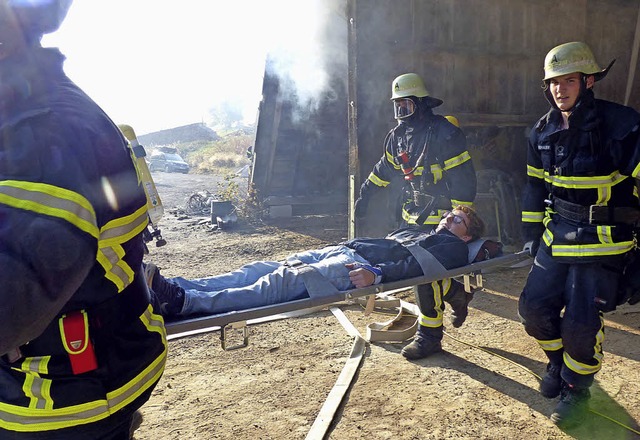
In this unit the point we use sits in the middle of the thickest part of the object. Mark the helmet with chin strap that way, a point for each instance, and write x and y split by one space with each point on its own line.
567 58
571 58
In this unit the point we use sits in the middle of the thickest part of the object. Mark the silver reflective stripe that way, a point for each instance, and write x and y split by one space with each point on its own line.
50 200
110 253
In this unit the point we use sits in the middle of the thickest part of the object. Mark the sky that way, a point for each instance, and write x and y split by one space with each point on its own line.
159 64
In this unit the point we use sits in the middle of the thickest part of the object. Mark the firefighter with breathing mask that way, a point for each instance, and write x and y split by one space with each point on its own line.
426 155
580 207
81 347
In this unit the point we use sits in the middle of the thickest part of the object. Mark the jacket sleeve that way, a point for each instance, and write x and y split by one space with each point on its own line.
384 172
43 261
534 193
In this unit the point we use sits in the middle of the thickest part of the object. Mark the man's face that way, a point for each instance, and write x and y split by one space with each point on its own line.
565 89
403 108
455 222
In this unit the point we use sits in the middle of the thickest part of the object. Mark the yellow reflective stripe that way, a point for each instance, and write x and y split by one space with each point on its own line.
20 419
591 250
391 160
116 270
110 252
636 172
532 216
413 218
455 202
547 237
52 201
436 170
550 344
34 387
605 234
457 160
123 229
585 182
587 369
377 181
538 173
580 368
38 390
436 322
604 195
125 395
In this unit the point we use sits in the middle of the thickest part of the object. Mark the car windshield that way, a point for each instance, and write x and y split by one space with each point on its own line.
174 157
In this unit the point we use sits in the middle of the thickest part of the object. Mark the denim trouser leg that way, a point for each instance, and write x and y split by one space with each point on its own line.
265 283
245 276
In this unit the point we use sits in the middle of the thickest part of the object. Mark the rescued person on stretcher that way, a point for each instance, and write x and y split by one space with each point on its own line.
352 264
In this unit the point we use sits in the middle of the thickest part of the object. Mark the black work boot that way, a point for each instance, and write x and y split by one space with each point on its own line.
169 296
572 408
551 382
421 347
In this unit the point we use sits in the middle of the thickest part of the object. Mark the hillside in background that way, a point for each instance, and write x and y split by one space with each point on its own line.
186 133
205 150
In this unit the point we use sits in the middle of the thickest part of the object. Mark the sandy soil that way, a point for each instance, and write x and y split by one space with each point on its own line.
483 386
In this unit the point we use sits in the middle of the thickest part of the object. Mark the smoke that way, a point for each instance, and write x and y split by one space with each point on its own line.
309 53
167 64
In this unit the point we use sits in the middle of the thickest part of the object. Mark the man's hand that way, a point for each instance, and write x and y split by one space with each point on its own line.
360 275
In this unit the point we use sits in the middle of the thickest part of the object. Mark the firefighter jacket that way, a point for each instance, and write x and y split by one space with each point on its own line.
430 157
397 263
593 162
80 343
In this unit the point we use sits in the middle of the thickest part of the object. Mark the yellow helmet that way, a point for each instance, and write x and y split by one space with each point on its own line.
410 84
571 58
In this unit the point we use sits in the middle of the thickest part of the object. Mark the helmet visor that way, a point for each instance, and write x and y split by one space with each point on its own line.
403 107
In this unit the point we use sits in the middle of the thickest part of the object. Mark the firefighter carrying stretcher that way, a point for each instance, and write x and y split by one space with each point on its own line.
425 155
580 208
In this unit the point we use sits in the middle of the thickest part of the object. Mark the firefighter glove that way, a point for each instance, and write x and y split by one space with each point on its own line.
360 208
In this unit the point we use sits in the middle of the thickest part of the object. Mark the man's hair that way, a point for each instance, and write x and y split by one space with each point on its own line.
475 228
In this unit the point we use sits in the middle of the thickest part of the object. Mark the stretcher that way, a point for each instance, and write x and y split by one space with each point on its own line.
239 321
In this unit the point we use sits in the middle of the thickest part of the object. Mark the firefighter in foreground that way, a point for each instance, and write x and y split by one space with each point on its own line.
579 208
81 347
426 156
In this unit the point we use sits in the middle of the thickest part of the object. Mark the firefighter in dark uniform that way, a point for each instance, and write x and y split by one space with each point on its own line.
579 207
81 347
425 154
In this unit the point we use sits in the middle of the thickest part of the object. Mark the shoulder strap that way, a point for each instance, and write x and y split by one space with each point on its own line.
428 263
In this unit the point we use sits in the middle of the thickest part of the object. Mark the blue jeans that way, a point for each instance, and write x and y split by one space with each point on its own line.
263 283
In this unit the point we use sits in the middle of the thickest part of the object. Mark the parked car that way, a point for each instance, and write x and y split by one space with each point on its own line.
169 162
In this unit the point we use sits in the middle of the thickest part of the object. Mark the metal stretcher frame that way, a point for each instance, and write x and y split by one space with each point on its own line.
241 318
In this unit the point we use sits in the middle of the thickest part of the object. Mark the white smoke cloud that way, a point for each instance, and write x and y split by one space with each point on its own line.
158 64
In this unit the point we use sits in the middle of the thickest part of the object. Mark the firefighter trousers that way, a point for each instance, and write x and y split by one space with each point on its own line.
585 291
431 300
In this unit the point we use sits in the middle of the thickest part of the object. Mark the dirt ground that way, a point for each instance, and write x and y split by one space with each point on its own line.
483 386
